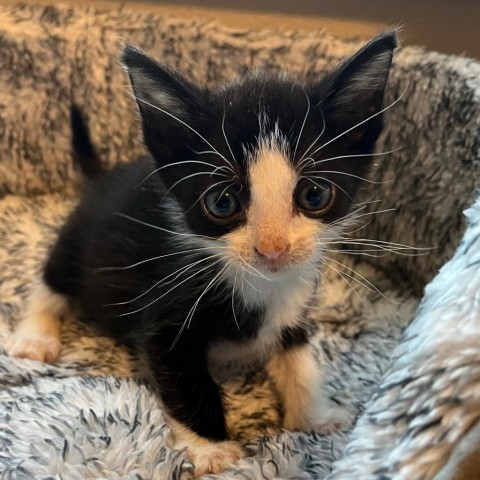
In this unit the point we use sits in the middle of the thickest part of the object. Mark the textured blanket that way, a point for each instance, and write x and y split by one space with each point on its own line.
403 360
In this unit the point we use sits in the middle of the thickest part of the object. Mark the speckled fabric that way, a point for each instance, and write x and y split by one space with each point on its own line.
413 386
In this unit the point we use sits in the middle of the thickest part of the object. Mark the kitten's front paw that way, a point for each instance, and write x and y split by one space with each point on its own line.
332 419
325 418
41 348
214 457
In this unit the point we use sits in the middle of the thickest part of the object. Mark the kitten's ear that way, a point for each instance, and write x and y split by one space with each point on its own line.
165 99
356 90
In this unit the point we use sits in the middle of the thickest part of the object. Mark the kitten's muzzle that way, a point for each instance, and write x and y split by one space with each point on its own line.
273 257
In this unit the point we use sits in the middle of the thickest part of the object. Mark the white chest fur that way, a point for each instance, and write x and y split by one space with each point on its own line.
283 301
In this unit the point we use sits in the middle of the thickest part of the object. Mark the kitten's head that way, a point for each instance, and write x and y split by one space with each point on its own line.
267 165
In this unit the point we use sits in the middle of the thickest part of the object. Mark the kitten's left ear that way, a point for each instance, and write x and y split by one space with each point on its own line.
165 99
356 88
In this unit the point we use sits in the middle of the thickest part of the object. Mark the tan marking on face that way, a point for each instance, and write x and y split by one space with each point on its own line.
272 224
272 182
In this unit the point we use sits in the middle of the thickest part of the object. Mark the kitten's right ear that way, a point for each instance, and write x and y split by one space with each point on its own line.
165 100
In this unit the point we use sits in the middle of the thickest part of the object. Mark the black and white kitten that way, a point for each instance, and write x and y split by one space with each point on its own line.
212 249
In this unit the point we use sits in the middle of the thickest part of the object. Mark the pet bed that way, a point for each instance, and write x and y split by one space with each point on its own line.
402 358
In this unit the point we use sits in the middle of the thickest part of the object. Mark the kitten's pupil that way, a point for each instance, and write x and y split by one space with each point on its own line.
314 197
224 204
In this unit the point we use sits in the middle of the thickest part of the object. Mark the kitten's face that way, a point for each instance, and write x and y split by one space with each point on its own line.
266 167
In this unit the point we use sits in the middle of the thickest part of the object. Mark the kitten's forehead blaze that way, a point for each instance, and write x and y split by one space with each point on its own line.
272 181
272 224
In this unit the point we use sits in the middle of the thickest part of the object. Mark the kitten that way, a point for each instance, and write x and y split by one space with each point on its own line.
211 249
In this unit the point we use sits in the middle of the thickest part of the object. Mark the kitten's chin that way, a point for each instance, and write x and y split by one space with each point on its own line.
280 270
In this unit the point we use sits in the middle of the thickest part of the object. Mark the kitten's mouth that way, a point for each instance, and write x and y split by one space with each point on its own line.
278 265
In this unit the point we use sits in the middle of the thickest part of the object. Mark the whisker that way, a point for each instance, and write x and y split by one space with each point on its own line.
186 125
358 253
347 216
373 182
205 152
370 253
194 307
225 136
253 286
196 174
170 290
300 163
358 229
361 123
133 265
346 281
377 154
156 227
371 242
173 164
174 274
233 302
364 279
243 290
254 269
303 125
376 212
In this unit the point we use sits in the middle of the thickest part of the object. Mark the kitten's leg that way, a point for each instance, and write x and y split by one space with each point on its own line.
298 379
193 403
37 336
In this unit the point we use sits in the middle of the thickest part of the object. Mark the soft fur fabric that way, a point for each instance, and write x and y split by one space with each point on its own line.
84 418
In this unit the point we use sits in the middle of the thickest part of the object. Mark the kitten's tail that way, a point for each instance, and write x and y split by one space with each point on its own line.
84 154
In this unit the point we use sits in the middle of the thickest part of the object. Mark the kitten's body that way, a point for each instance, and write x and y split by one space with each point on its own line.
146 257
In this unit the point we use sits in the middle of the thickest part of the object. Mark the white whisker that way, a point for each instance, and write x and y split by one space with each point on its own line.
171 289
243 290
346 281
254 269
360 123
233 302
173 164
133 265
196 174
373 182
376 212
378 154
300 163
364 279
194 307
174 274
188 126
156 227
302 127
225 136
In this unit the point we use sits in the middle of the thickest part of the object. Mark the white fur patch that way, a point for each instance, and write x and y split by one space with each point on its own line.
37 336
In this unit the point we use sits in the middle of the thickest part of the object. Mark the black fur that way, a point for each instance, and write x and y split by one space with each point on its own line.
84 153
130 215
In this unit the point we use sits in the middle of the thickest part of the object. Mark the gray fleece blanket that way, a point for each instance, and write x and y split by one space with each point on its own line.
404 360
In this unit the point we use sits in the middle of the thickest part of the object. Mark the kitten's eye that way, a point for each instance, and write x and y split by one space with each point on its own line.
315 199
220 205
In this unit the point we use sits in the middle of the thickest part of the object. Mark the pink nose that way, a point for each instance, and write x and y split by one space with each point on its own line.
271 254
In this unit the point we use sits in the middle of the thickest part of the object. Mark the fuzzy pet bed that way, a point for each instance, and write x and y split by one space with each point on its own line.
405 362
